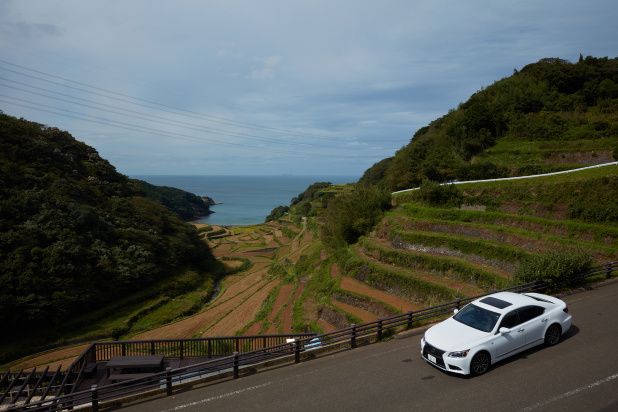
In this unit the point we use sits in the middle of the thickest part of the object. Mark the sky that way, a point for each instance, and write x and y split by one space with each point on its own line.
269 87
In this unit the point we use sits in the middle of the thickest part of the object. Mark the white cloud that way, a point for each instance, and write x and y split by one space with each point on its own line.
291 82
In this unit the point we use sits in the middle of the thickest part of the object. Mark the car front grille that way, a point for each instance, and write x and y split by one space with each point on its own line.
437 353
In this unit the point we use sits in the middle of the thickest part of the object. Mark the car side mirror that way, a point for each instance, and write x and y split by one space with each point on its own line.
455 311
504 331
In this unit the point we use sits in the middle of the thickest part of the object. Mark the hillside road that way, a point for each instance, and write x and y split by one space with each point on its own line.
578 374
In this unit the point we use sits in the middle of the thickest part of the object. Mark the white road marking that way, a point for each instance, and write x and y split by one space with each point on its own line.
293 376
571 393
214 398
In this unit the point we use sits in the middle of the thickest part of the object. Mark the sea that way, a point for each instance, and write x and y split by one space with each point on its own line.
244 200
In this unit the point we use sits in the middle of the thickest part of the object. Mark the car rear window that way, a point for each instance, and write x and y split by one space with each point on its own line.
496 303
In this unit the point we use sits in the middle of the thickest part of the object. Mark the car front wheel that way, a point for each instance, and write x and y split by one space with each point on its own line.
480 363
552 336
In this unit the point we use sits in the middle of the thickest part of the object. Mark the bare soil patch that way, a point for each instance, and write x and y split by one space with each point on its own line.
240 285
240 316
355 286
64 357
325 326
254 329
195 324
363 314
335 272
286 313
285 293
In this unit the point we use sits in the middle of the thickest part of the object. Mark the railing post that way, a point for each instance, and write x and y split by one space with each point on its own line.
457 303
182 349
209 348
95 398
353 338
296 350
379 328
409 319
168 381
152 347
608 275
235 365
124 349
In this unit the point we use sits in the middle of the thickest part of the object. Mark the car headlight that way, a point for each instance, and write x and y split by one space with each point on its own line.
459 353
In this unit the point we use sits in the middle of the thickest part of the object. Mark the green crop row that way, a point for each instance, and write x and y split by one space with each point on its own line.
408 287
481 248
453 268
573 228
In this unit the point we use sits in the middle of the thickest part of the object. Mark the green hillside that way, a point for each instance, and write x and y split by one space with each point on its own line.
440 242
550 116
76 235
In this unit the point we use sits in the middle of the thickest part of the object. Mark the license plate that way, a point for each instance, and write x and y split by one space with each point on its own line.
432 358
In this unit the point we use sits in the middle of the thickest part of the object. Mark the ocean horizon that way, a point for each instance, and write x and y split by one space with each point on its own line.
244 200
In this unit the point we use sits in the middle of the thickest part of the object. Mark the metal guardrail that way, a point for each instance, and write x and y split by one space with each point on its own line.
515 177
232 363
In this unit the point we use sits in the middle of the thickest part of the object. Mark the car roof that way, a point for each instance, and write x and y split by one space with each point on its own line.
503 302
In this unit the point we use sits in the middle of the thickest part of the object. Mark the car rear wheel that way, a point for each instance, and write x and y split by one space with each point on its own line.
480 363
552 335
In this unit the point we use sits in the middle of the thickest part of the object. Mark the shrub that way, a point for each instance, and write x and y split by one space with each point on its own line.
434 194
554 268
350 216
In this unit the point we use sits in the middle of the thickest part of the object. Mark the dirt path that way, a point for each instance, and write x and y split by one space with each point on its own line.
360 288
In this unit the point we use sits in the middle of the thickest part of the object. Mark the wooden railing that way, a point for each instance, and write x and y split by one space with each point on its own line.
243 353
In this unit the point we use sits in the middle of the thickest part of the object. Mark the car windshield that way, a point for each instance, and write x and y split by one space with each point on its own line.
477 318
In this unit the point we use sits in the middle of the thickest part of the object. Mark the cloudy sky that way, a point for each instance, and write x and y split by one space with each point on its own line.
271 87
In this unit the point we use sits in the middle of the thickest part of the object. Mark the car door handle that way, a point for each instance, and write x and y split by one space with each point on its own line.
520 330
544 320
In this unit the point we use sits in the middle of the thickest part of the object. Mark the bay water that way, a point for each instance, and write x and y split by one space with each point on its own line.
245 200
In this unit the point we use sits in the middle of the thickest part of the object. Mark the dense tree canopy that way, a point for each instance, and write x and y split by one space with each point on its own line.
546 101
74 233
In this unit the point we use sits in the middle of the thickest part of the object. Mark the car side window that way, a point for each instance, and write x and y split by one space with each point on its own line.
510 320
530 312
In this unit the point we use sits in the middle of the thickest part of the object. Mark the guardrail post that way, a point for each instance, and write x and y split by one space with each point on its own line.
409 319
353 338
235 365
608 275
379 328
168 381
95 398
457 303
296 350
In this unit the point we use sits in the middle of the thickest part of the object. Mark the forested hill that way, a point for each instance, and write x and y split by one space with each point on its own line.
550 116
187 205
75 234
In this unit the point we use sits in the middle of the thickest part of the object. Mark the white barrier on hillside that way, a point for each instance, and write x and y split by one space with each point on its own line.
514 178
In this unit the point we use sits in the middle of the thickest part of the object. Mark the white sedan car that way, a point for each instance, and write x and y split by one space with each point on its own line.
493 328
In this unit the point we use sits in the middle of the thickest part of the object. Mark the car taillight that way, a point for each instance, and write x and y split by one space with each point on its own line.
566 309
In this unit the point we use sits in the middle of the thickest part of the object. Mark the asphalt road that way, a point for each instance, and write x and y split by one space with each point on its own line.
578 374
